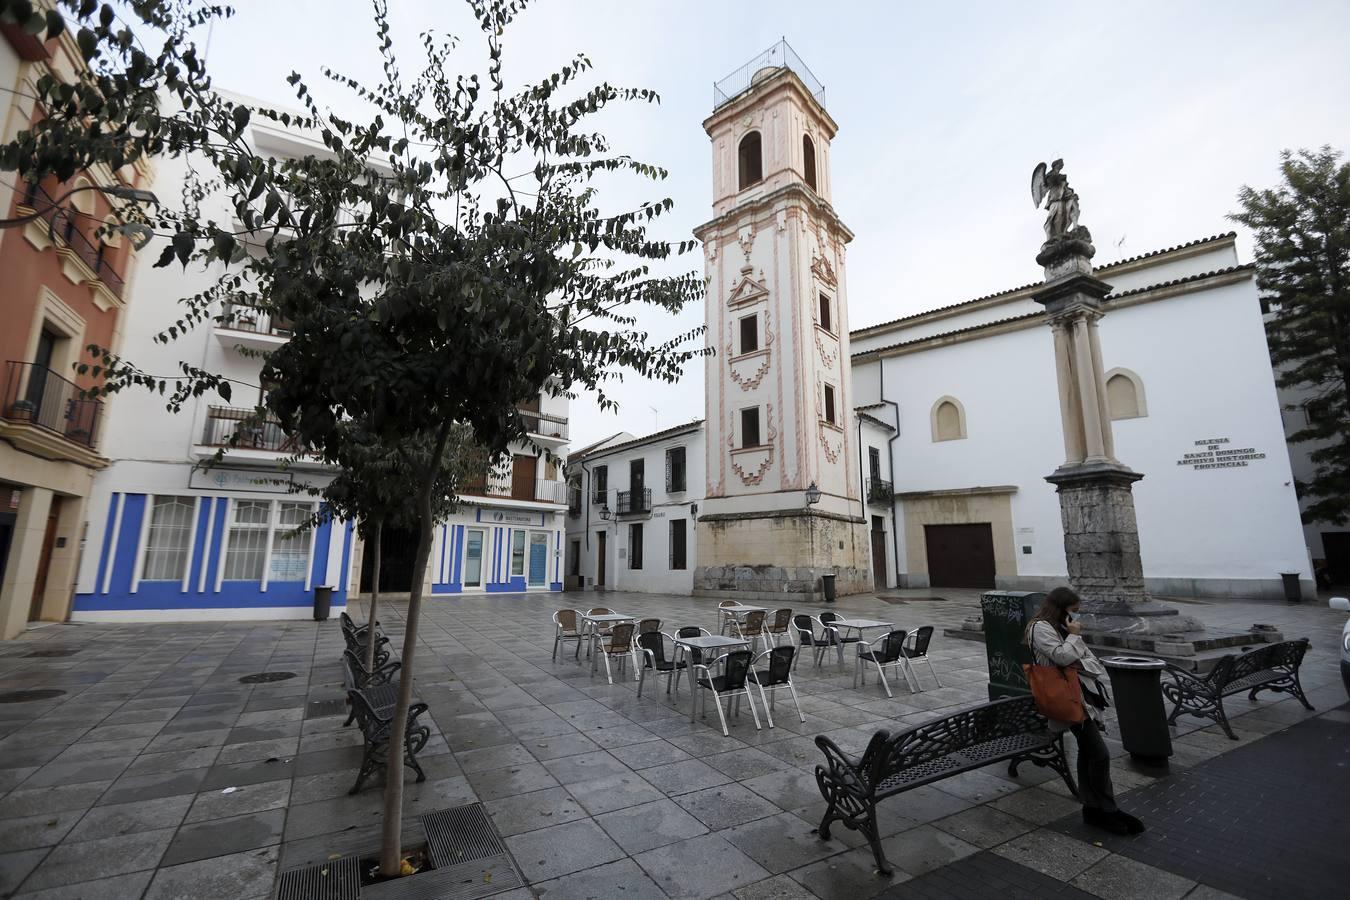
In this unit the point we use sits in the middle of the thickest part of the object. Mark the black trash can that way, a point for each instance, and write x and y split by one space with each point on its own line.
323 602
827 585
1292 592
1136 685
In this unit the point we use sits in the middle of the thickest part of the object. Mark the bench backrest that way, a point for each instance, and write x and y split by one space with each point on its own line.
885 755
1286 655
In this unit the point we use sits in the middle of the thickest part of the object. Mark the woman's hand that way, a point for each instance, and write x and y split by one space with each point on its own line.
1073 628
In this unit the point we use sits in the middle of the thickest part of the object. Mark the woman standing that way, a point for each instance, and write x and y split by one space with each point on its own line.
1056 640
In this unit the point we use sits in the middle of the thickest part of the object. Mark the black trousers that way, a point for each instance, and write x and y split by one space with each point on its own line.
1094 767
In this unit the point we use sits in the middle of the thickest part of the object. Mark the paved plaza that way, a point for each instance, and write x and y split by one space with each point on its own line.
158 774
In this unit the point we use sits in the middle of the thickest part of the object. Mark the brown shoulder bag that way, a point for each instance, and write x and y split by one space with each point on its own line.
1058 695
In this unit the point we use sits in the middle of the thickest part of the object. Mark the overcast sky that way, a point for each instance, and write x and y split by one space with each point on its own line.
1160 110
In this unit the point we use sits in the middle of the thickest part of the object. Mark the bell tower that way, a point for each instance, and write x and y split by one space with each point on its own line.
783 496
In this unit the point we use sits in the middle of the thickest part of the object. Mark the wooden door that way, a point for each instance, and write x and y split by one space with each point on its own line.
600 559
960 556
879 553
523 470
1336 547
44 562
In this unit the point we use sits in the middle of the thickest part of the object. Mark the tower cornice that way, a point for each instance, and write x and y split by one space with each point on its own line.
765 204
783 81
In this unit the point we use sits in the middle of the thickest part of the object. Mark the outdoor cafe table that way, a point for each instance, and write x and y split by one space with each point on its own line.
707 643
737 612
858 625
596 622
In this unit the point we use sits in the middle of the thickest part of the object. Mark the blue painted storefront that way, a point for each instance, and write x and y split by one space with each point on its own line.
542 562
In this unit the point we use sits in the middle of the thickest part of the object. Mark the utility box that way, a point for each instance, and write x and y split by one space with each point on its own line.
1005 615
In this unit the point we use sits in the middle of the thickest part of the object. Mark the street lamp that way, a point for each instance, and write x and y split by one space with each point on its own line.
812 495
605 513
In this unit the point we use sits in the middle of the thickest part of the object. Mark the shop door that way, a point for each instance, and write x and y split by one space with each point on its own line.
879 552
44 562
538 558
473 558
960 556
523 469
600 559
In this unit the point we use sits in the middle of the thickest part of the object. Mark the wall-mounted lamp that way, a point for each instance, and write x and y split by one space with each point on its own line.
605 513
812 495
693 510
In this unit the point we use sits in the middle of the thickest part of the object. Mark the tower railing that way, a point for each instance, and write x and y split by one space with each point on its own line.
780 54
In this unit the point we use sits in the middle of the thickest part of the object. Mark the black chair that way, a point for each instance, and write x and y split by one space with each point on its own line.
778 674
732 683
890 654
653 647
826 618
805 628
695 655
917 648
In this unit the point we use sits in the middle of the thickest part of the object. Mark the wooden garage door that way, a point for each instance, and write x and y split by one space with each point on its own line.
960 556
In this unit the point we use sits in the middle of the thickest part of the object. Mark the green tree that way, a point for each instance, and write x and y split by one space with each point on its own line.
1302 232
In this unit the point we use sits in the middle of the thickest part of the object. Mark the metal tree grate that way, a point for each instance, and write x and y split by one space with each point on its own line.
466 881
461 835
266 677
339 879
29 696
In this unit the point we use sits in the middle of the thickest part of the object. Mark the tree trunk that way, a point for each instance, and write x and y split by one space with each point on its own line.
376 536
391 837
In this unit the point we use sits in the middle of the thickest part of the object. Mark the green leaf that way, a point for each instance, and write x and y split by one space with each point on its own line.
224 390
182 247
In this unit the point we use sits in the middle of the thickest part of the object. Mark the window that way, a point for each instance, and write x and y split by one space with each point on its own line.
675 470
829 405
948 420
637 476
750 427
517 553
290 549
677 544
874 463
809 161
750 334
247 553
600 481
635 546
750 161
575 568
166 547
1124 395
825 313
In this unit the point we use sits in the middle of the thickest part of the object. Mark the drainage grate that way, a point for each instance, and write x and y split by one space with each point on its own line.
339 879
49 654
461 835
317 709
466 881
29 696
266 677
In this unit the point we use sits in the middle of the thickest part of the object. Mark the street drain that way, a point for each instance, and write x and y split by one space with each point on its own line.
29 696
266 677
339 879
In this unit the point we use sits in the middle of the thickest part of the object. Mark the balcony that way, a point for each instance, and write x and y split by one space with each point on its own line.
634 503
38 396
246 429
539 490
880 492
544 425
59 222
252 327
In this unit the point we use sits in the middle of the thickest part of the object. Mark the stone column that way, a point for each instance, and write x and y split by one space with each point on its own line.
25 553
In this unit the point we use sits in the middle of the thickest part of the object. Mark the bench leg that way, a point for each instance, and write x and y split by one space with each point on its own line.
370 763
1222 718
874 838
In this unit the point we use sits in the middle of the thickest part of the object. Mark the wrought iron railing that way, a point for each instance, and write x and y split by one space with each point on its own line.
63 223
574 500
633 503
779 55
544 424
880 491
242 317
541 490
37 395
246 429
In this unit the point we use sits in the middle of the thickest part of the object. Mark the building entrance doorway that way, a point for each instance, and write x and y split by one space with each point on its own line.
1336 546
600 559
538 558
44 562
879 553
398 549
960 556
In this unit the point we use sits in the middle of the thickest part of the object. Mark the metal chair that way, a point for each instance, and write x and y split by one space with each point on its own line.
649 625
891 654
778 674
780 625
917 648
805 628
619 644
825 619
695 656
652 644
565 629
724 619
751 627
591 628
733 683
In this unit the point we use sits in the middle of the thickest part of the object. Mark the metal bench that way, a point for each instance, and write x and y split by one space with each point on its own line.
376 725
357 636
1009 729
380 686
1273 667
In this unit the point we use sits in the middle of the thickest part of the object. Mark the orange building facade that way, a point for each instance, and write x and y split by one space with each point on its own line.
63 286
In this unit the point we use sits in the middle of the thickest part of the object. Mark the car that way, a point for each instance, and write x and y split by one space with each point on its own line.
1343 604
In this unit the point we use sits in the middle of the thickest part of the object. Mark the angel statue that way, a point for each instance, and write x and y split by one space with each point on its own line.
1061 202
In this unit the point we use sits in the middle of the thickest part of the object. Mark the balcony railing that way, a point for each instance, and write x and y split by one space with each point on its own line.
64 223
240 317
541 490
779 55
880 492
574 501
246 429
634 503
37 395
544 424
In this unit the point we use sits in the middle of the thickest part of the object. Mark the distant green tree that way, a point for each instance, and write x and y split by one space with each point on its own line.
1302 231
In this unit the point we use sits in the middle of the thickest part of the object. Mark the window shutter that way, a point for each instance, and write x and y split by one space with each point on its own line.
669 463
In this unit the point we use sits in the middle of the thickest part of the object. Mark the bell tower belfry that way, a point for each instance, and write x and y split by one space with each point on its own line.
783 495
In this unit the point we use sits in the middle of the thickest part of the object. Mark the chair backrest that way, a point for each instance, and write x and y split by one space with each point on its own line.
649 625
780 666
567 618
621 641
725 603
806 629
828 616
737 668
689 631
654 641
355 667
782 619
923 636
753 625
894 646
599 611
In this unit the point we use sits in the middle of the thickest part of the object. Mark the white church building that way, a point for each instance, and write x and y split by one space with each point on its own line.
925 441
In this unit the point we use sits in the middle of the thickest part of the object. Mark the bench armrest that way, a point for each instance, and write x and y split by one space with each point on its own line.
1181 675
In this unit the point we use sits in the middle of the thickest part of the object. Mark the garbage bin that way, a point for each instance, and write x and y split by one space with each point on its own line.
827 585
1292 592
1139 707
323 602
1005 615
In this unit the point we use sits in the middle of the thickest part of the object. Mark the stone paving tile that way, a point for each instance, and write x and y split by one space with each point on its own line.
247 799
129 818
562 849
699 867
26 802
218 837
1051 854
616 879
780 842
612 792
529 812
780 887
984 826
726 806
15 867
684 777
986 875
498 783
77 861
239 876
1121 878
119 886
650 825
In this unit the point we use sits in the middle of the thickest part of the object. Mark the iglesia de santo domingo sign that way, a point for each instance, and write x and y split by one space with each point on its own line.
1218 453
